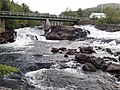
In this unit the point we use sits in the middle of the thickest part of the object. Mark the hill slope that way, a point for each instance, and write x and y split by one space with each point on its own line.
112 5
97 9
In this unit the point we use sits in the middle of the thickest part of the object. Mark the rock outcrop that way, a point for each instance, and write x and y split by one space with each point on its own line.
87 50
109 27
65 33
82 58
7 36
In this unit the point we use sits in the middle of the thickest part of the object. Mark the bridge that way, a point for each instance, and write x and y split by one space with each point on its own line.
34 16
37 16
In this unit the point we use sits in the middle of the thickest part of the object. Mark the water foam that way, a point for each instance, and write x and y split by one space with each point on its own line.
37 78
27 35
96 33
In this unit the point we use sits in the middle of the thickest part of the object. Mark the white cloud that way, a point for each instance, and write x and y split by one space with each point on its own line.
57 6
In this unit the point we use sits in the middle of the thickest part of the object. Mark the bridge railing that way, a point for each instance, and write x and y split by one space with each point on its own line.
43 15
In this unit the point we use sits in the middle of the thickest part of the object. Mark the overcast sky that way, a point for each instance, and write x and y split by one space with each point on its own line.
58 6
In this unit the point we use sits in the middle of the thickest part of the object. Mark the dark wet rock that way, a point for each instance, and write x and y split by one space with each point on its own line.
107 40
63 66
109 27
17 75
89 67
113 68
82 58
60 52
31 67
88 31
109 51
119 58
38 55
44 65
55 50
99 48
71 52
65 33
97 62
65 55
110 59
95 46
15 84
87 50
117 41
117 75
32 37
104 67
60 66
117 53
63 49
7 36
118 79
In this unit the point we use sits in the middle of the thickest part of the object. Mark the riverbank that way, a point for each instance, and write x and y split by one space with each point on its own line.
109 27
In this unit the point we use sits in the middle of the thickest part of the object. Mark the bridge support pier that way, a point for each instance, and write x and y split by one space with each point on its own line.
47 25
2 25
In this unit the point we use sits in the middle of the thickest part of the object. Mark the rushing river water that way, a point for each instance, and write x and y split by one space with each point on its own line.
47 71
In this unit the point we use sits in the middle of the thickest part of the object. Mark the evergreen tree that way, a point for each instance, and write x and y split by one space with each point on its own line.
80 12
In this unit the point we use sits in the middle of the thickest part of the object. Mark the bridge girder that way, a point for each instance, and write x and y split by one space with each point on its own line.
38 18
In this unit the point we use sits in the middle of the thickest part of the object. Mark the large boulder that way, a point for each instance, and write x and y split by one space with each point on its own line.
109 51
55 50
98 62
71 51
89 67
65 33
87 50
7 36
82 58
113 68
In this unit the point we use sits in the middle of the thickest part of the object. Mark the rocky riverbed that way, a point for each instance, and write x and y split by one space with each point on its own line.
109 27
62 64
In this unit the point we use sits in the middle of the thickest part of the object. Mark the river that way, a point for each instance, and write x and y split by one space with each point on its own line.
47 71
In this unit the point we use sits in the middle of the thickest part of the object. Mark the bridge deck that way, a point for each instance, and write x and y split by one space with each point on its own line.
36 16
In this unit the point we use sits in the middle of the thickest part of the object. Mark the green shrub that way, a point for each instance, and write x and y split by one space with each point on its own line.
101 21
6 70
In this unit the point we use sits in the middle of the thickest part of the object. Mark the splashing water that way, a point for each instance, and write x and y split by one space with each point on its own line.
68 78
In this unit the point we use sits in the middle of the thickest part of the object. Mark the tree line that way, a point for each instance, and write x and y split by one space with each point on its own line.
112 14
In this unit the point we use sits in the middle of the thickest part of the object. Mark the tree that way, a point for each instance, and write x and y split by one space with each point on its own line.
5 5
80 12
25 7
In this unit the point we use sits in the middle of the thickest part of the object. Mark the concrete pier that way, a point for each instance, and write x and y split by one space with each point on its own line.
47 25
2 25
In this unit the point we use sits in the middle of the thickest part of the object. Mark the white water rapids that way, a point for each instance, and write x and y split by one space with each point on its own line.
39 79
29 35
58 79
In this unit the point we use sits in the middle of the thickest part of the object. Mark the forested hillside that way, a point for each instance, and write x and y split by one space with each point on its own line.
112 11
97 9
10 5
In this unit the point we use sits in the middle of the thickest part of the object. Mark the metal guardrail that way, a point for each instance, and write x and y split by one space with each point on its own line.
43 15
